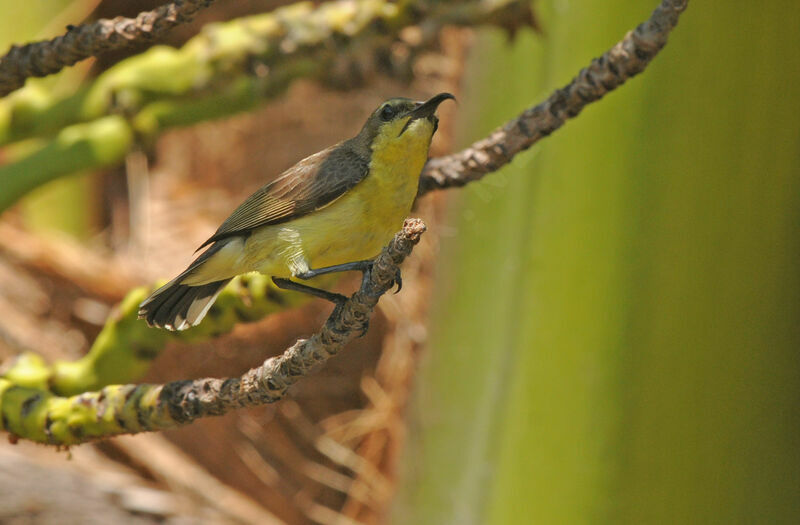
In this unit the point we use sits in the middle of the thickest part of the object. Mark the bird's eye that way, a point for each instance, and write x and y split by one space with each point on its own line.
387 112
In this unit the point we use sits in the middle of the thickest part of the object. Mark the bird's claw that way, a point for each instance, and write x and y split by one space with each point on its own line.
398 280
339 306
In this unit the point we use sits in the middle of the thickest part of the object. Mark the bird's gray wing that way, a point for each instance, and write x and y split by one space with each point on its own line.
309 185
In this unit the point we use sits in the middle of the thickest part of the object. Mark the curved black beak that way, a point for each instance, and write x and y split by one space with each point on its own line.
426 110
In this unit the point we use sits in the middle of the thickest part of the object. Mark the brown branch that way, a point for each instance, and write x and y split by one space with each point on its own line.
627 58
39 59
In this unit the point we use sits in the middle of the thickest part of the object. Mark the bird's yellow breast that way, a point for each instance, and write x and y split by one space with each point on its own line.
359 223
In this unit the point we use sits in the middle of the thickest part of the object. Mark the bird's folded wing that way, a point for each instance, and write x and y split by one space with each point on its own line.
309 185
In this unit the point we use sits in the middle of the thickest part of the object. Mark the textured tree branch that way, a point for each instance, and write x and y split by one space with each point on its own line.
38 415
626 59
39 59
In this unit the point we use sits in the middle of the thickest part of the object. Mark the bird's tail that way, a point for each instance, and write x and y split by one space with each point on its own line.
178 306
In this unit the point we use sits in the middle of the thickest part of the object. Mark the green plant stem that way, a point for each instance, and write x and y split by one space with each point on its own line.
94 144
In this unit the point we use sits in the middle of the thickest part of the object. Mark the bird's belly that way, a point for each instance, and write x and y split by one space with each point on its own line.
354 227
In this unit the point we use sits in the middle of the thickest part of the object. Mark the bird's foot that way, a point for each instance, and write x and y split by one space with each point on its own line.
398 280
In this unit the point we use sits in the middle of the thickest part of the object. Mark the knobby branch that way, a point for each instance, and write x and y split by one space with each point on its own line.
39 415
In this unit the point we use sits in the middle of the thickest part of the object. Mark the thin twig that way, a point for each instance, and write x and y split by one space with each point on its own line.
627 58
39 59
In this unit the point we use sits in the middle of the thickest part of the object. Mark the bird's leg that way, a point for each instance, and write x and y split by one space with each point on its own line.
361 266
288 284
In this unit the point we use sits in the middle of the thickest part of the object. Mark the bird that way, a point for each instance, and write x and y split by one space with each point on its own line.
331 212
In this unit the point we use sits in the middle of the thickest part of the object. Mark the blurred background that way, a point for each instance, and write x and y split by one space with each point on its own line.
606 330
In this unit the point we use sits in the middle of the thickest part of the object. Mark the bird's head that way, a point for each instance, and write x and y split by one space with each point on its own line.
401 121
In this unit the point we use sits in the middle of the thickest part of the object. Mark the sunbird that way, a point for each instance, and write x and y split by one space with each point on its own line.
331 212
